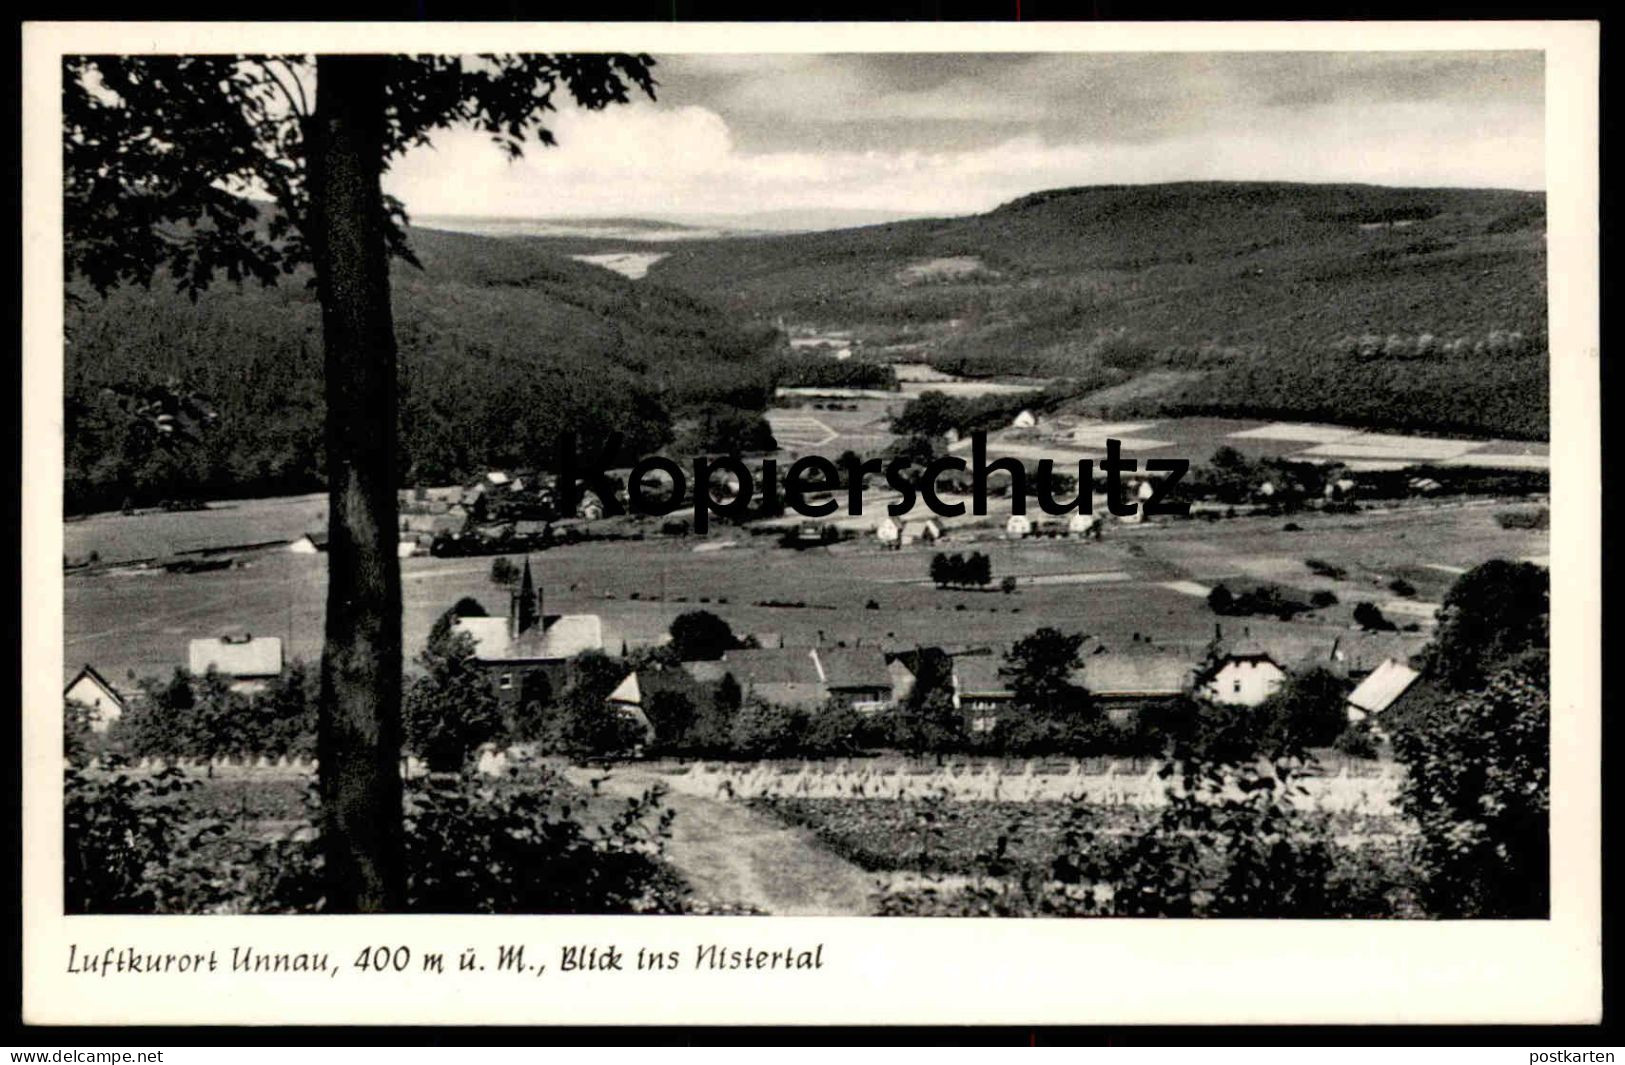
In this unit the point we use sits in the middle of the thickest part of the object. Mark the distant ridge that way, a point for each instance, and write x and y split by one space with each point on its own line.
1251 291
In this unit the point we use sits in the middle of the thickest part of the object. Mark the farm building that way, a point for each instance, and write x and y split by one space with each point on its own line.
980 693
1019 525
856 677
90 689
309 544
887 531
807 677
528 652
781 676
1025 420
1385 686
928 531
1081 524
249 663
1242 676
1125 684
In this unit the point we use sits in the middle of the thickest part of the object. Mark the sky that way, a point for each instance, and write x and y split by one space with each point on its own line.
906 135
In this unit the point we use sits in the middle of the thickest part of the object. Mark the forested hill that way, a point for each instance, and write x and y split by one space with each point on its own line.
1413 307
503 345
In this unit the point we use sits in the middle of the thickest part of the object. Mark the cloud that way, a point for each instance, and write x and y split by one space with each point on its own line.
972 136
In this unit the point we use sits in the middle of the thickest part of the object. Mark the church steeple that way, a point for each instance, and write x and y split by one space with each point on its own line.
527 612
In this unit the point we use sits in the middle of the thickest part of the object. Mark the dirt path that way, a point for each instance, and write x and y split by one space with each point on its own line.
732 854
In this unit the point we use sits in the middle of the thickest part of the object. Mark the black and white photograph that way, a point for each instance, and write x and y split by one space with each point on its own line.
1018 484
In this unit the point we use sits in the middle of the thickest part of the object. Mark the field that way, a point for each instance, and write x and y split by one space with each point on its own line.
141 621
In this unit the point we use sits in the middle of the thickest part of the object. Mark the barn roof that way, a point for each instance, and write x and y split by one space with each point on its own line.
853 667
772 666
1385 684
250 656
1136 674
979 675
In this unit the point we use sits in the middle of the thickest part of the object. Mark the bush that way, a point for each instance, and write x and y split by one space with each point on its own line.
1477 783
1516 519
1370 616
1402 587
131 840
503 571
1321 600
1325 569
1356 741
699 635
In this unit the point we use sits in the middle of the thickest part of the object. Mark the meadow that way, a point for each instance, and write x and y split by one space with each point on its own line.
141 620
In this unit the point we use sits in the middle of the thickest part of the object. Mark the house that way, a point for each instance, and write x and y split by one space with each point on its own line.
91 690
248 663
1243 676
1126 684
1018 526
781 676
857 677
528 653
1380 690
1025 420
627 700
808 534
980 693
409 548
591 508
1340 489
928 531
309 544
1083 524
887 531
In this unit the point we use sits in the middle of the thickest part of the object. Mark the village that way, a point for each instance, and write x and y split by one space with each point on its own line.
1111 573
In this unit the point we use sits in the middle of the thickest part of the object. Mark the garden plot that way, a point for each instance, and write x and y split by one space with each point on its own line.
1392 447
1501 462
797 430
1297 431
1094 435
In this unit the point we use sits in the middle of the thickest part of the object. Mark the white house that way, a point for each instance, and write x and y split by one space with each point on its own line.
887 530
309 544
1082 524
1019 525
1245 676
90 689
1025 420
249 663
927 531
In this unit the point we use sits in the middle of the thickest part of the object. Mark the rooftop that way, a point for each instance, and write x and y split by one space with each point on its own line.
246 656
1136 674
560 636
1385 684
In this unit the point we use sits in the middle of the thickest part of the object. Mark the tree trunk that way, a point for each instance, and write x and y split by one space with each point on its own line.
359 740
